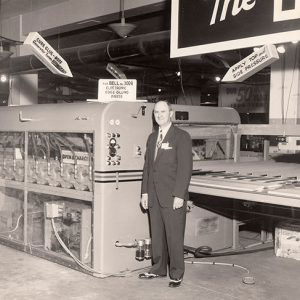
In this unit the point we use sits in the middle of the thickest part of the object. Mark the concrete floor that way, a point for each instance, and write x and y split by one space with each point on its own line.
25 277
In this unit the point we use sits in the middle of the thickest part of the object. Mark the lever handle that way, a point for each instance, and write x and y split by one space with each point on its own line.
21 119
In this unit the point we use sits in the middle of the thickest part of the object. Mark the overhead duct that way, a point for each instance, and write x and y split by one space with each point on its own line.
140 45
113 50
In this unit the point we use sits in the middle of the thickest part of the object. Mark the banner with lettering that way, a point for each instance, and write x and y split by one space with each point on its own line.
204 26
245 98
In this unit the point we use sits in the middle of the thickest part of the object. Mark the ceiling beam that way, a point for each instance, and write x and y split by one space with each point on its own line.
77 14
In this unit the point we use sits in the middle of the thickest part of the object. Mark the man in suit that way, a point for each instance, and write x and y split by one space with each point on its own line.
166 176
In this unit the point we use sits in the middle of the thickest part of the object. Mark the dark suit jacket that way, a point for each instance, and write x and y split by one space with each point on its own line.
169 175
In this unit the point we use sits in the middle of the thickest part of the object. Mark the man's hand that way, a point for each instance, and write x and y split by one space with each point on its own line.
144 201
177 203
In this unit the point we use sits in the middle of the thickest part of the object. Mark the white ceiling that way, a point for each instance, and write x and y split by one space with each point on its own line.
11 8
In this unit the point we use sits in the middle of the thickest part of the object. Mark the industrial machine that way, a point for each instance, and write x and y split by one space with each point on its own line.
271 176
70 177
262 185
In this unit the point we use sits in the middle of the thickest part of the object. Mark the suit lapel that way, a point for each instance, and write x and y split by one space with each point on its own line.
153 145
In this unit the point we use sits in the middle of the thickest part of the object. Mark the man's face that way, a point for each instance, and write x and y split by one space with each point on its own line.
162 113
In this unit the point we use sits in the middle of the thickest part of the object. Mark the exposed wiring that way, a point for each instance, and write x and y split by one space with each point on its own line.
246 279
16 227
81 264
217 263
45 137
56 143
18 222
87 145
41 149
32 137
200 253
52 143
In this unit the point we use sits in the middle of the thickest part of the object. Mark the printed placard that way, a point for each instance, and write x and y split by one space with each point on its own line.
116 90
251 64
82 158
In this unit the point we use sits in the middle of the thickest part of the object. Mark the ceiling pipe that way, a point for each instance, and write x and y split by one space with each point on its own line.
108 51
112 50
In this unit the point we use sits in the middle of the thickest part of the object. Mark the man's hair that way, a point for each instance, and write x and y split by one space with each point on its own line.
167 102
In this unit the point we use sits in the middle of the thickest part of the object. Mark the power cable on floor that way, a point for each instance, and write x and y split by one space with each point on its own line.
246 279
206 251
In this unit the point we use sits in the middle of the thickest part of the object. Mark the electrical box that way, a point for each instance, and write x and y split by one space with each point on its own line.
290 145
206 228
287 240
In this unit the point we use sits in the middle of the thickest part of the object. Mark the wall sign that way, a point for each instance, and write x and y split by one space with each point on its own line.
204 26
245 98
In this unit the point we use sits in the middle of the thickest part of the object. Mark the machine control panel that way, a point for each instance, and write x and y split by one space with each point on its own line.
113 158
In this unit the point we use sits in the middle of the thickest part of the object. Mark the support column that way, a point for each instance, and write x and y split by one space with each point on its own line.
285 87
23 88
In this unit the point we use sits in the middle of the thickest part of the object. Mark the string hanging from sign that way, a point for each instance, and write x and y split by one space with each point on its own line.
181 80
282 87
296 59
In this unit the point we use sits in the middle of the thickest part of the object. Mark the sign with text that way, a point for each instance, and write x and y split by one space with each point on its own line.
245 98
47 55
200 26
116 90
251 64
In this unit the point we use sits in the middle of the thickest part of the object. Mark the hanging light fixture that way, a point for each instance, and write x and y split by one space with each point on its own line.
122 29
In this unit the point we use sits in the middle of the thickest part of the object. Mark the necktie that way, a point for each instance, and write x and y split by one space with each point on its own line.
158 143
160 139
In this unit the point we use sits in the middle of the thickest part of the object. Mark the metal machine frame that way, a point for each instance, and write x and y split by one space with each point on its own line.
103 206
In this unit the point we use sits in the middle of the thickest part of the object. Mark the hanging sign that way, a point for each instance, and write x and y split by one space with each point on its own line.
205 26
251 64
47 55
116 90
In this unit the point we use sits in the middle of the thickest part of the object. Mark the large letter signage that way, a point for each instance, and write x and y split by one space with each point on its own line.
204 26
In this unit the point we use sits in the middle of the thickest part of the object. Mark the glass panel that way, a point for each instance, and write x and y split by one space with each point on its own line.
11 214
61 159
71 221
12 156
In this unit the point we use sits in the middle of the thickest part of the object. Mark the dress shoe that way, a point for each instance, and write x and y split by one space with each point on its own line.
175 283
150 276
